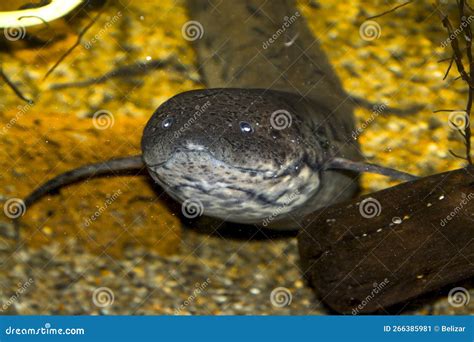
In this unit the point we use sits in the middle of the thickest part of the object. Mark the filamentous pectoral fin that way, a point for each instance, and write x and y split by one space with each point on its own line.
115 166
346 164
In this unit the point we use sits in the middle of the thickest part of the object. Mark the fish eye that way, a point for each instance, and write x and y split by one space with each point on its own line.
167 123
245 127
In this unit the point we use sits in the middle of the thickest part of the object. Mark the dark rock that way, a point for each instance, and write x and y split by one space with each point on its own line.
393 245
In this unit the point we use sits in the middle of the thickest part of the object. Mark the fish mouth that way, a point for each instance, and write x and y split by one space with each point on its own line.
235 193
193 154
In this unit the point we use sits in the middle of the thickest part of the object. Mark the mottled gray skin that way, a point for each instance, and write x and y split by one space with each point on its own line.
269 177
195 147
232 148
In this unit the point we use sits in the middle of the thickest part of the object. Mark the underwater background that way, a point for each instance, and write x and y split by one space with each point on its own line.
137 256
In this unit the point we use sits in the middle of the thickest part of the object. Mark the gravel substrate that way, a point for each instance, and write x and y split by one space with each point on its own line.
209 276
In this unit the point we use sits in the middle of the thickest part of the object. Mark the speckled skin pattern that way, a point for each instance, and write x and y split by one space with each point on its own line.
197 148
270 177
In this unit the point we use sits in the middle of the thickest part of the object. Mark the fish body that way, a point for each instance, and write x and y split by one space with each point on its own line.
267 74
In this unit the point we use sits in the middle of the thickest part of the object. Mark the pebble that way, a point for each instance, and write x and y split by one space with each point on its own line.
255 291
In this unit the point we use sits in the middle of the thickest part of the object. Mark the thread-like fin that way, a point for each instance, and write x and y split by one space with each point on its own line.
116 166
346 164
